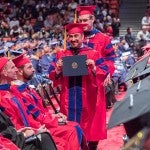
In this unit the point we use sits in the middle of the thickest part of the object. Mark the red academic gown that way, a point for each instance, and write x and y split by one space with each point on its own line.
70 132
13 107
80 99
6 144
102 43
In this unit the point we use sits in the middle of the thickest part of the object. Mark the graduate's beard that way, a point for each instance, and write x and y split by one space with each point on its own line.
28 77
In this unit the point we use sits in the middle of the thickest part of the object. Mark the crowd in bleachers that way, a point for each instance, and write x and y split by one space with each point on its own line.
38 19
37 28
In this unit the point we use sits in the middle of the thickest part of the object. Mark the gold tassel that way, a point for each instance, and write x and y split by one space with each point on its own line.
65 39
8 54
75 17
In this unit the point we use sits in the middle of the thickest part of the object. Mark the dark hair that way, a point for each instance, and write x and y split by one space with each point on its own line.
128 29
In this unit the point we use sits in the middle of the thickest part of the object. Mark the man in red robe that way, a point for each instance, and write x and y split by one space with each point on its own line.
70 131
79 97
95 38
14 106
101 43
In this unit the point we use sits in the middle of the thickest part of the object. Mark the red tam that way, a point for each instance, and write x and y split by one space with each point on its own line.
75 28
3 61
21 60
86 10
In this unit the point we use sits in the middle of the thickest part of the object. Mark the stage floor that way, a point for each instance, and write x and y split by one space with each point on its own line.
114 139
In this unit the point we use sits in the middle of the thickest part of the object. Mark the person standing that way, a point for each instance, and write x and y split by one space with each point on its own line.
102 44
80 97
95 38
115 26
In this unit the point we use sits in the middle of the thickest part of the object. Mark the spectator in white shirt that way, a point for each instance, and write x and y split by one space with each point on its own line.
143 34
146 20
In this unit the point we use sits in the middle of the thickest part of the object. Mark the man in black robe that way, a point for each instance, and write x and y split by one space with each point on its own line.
42 141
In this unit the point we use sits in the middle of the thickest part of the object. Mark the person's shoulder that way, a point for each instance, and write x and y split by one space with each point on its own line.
99 33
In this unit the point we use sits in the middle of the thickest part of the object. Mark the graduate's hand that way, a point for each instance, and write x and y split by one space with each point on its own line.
59 65
62 117
27 131
90 63
107 80
24 129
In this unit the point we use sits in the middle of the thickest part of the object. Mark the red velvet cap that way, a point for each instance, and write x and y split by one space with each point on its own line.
85 10
75 28
21 60
3 61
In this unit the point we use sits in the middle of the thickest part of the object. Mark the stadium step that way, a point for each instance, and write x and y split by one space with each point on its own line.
130 14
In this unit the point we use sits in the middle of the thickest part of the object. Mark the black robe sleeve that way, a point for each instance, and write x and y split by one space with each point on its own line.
8 131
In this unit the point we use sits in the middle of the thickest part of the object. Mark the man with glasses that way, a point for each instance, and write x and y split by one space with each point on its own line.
101 43
94 38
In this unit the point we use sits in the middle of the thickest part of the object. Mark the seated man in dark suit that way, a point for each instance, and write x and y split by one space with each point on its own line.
24 138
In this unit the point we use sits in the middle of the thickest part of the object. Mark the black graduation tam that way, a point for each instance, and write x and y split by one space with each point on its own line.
137 68
15 52
143 73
